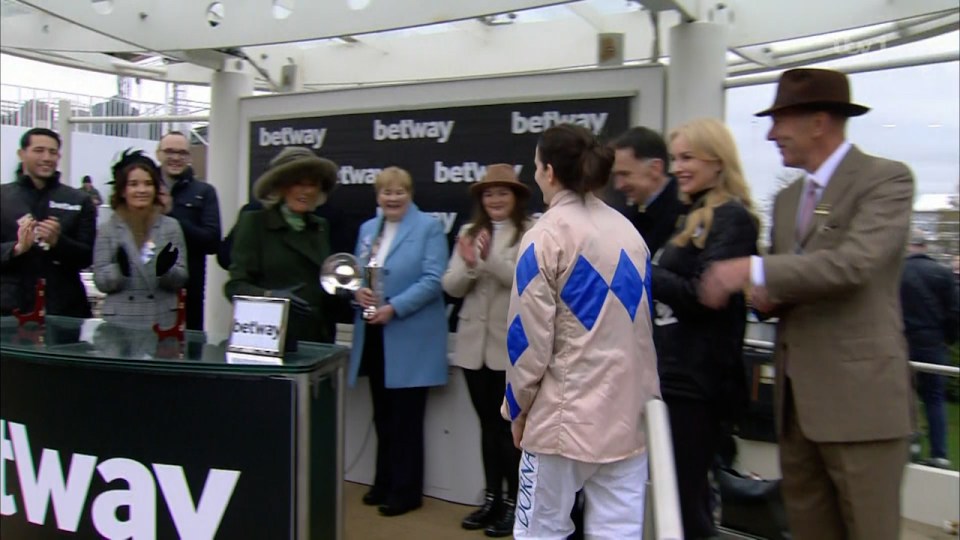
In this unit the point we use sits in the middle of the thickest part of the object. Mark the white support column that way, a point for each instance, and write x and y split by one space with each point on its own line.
223 172
64 112
696 74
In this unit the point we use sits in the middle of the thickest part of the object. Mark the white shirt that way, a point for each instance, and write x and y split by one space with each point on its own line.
821 177
386 238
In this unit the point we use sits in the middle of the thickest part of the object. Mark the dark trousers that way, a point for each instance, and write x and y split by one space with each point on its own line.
398 420
696 432
931 388
501 460
194 304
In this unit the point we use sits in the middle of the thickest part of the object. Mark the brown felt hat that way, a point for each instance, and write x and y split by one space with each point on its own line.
500 174
807 88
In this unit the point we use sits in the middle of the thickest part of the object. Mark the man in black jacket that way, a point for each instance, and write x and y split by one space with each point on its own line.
47 230
929 298
640 172
196 208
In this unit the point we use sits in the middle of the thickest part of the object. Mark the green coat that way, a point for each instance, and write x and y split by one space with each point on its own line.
268 255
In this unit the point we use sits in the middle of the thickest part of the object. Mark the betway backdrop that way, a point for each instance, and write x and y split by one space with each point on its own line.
444 149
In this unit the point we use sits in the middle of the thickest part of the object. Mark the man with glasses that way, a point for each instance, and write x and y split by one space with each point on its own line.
47 230
195 207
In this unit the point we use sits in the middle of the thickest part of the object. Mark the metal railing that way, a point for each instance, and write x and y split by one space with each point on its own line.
33 107
661 519
924 367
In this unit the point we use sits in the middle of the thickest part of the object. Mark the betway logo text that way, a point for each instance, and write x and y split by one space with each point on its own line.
44 484
272 331
410 129
287 136
538 123
469 171
353 175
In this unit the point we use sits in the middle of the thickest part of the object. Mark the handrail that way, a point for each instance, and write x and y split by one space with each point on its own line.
662 506
938 369
923 367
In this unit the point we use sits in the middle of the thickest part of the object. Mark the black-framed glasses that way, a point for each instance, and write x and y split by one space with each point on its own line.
178 153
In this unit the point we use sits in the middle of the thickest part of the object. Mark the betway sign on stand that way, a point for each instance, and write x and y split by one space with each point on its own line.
445 151
72 468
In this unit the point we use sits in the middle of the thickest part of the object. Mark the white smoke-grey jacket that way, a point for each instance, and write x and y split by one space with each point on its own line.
579 340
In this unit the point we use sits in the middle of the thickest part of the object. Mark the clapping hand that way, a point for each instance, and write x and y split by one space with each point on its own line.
48 231
467 250
167 258
25 234
483 243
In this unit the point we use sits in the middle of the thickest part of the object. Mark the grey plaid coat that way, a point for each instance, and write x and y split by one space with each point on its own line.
143 298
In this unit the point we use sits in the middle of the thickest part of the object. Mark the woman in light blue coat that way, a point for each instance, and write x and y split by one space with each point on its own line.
402 345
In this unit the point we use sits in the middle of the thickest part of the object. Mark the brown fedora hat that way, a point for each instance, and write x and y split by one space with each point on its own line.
814 89
500 174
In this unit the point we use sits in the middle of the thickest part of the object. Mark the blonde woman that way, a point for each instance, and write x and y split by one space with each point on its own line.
481 272
699 348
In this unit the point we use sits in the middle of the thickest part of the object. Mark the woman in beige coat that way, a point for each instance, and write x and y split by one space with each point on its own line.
481 272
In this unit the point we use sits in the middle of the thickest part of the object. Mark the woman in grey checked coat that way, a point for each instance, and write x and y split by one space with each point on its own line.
139 256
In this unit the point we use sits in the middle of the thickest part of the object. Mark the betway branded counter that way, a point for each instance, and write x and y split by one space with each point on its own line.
106 433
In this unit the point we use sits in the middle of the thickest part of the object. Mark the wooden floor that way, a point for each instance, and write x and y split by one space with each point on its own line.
440 520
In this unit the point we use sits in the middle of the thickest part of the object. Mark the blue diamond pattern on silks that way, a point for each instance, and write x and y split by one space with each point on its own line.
585 292
516 340
648 288
526 269
512 404
627 285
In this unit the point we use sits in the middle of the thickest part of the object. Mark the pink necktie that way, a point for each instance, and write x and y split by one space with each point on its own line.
805 215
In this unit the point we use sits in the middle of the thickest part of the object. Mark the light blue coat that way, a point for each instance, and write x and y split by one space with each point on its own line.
415 340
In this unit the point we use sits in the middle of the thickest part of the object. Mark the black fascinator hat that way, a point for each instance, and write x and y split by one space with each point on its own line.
130 159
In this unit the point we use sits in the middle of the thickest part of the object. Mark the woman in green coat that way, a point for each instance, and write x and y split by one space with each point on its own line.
278 251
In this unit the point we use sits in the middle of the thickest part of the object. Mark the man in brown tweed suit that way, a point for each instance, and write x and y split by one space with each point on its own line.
844 398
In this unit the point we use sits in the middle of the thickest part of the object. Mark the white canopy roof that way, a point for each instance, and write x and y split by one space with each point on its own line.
360 42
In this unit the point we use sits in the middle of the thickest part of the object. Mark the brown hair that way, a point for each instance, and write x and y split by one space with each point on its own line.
518 216
580 163
121 177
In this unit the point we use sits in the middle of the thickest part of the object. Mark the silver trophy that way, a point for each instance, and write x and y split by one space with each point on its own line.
342 272
373 273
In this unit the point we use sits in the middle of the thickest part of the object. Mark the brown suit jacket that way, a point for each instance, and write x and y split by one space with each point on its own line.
840 336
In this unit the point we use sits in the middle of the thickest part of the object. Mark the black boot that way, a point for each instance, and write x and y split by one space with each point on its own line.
504 525
486 515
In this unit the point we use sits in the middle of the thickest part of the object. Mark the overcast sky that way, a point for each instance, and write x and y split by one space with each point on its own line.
913 118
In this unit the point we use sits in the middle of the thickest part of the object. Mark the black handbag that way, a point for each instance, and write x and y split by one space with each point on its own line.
751 506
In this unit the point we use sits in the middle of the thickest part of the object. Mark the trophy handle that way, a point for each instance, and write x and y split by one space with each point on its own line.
177 330
38 315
